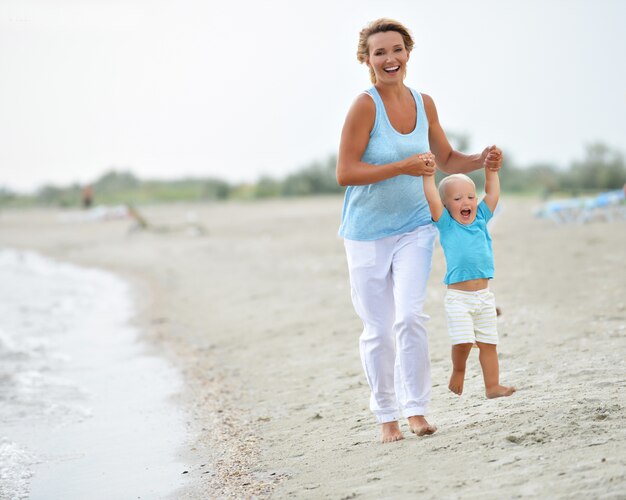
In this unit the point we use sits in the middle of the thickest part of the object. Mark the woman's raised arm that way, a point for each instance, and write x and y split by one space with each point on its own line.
449 160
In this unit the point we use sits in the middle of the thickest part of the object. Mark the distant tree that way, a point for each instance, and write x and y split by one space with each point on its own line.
538 178
53 195
601 169
267 187
215 189
316 178
113 181
543 178
6 195
48 194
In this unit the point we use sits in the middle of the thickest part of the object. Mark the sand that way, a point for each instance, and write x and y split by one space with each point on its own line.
257 316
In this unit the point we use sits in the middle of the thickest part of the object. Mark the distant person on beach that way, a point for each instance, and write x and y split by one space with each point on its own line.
470 306
385 149
87 196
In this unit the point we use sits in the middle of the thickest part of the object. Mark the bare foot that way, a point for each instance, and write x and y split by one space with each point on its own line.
420 427
456 382
390 432
499 391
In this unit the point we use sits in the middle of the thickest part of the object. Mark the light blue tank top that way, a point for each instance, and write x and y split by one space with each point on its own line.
393 206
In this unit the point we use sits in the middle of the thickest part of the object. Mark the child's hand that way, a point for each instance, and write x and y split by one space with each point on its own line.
418 165
429 160
491 158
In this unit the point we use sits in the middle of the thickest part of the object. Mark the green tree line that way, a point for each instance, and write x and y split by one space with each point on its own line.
601 169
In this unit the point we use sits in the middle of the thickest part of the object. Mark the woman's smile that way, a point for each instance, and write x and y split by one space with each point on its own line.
387 54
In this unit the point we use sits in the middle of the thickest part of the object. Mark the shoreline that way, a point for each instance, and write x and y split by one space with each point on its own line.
74 385
216 464
257 317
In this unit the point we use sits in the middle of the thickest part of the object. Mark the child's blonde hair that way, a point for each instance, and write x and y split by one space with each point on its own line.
450 178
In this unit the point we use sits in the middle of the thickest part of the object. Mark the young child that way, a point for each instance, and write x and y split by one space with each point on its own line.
470 306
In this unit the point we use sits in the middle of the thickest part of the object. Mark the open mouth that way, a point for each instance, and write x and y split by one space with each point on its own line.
392 69
465 213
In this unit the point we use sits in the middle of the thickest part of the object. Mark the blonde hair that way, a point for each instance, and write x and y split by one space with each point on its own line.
381 25
451 178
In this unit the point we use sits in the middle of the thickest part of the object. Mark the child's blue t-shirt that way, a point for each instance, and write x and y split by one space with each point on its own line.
467 248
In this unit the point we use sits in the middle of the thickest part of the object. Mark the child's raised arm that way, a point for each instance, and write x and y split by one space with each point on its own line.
432 197
492 189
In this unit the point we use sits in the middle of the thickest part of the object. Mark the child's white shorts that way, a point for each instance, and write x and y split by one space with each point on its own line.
471 316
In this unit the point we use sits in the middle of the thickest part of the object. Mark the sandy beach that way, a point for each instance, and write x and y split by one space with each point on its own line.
256 315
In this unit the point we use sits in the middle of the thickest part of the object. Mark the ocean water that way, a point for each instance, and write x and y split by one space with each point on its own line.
85 412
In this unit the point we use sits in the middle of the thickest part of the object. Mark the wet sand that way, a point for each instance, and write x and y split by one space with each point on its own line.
84 412
257 316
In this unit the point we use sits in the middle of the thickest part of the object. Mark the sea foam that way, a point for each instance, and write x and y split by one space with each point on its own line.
84 411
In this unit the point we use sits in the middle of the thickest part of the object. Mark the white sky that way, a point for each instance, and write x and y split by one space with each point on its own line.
242 88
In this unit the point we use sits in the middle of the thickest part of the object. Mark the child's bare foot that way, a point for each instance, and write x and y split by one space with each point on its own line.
456 382
420 427
390 432
499 391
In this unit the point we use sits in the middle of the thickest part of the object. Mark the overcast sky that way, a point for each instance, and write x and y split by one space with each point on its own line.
242 88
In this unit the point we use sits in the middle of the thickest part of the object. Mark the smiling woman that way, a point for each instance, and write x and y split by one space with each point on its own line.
385 150
390 28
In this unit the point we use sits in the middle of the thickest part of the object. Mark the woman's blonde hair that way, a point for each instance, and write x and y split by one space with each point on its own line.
381 25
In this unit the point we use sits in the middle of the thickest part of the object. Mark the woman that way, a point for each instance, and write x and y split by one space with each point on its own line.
386 144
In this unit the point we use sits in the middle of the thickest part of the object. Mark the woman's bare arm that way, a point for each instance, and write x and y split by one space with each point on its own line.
351 171
450 161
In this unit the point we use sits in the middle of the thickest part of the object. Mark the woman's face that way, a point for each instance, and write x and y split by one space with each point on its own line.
387 56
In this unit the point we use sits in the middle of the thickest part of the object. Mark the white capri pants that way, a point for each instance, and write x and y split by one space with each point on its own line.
388 284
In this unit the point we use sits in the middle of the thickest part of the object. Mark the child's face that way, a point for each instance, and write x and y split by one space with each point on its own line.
461 201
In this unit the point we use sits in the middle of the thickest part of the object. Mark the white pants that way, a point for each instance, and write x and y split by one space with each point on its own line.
388 281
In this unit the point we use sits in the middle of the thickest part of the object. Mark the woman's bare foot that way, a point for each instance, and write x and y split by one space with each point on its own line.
499 391
390 432
456 382
420 427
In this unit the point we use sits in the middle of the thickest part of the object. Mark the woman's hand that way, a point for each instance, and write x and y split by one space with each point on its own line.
491 158
419 165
